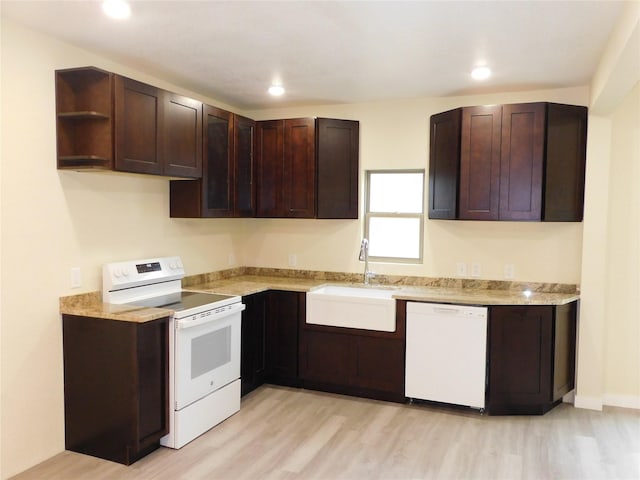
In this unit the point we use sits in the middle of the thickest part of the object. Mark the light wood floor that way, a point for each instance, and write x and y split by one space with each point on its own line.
283 433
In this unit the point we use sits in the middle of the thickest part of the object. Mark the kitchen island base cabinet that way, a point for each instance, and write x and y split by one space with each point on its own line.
116 389
356 362
531 357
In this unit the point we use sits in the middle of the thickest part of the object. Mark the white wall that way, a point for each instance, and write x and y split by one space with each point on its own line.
54 220
622 335
608 367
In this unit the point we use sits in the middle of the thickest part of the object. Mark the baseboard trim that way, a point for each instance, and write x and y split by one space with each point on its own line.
590 403
624 401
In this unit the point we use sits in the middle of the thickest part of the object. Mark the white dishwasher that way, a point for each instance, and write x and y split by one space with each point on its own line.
446 353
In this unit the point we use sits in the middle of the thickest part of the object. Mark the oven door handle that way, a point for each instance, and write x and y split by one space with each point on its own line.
214 316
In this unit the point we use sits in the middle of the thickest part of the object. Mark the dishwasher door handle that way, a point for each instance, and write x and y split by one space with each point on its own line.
447 310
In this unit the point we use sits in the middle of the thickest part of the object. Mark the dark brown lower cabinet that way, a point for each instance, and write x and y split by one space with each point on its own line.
253 350
116 387
362 363
531 357
284 312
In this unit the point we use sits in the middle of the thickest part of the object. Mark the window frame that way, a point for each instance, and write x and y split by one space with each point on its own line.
368 215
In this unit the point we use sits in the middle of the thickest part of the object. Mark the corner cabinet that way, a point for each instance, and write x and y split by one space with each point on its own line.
307 168
116 386
531 357
110 122
226 187
520 162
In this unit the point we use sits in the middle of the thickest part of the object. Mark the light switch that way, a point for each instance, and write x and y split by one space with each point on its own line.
509 271
476 270
76 277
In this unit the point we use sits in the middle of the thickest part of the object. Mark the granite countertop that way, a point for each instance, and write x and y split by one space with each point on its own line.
249 281
248 284
90 305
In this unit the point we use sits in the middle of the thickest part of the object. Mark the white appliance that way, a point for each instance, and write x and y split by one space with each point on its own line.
204 342
446 353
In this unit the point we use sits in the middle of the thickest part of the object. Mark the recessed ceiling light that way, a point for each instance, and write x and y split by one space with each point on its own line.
276 90
118 9
480 73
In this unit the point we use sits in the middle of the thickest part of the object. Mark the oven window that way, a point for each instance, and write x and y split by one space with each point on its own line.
210 351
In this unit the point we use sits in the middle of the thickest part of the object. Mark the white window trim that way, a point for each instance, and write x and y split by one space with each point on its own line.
368 215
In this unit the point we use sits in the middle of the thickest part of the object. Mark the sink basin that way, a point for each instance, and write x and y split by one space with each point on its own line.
352 307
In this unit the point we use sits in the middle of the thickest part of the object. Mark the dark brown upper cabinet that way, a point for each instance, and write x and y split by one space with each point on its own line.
110 122
521 162
226 187
480 163
307 168
84 118
337 149
285 168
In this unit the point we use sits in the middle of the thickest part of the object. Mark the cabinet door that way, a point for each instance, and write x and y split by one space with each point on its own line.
337 151
284 309
480 163
244 132
269 168
379 364
520 358
218 169
138 123
181 136
444 164
565 163
564 357
325 358
153 389
521 161
299 174
253 360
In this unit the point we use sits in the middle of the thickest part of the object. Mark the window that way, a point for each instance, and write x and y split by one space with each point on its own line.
394 214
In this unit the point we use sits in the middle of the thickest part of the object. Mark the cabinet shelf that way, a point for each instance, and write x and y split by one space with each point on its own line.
86 161
84 115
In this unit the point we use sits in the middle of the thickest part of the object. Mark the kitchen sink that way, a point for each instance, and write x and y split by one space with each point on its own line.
352 306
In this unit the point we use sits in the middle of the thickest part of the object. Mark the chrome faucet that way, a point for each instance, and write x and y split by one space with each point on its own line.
364 257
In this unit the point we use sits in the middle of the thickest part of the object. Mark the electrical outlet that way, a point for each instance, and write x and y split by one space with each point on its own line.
76 277
461 269
232 259
293 260
476 270
509 271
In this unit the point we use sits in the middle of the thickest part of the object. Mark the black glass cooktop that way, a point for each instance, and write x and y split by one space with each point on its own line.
180 301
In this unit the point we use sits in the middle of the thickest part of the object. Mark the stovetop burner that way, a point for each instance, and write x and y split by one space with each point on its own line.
181 301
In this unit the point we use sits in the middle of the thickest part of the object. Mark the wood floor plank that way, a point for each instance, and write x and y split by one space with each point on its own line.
283 433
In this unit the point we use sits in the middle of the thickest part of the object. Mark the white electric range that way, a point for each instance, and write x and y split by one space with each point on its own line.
204 342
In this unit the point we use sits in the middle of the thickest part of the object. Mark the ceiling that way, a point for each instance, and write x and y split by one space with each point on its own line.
331 52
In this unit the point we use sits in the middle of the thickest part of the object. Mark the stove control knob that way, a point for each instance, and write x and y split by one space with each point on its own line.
173 265
125 272
117 272
179 263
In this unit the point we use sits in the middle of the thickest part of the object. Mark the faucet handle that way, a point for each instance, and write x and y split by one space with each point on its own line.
364 247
